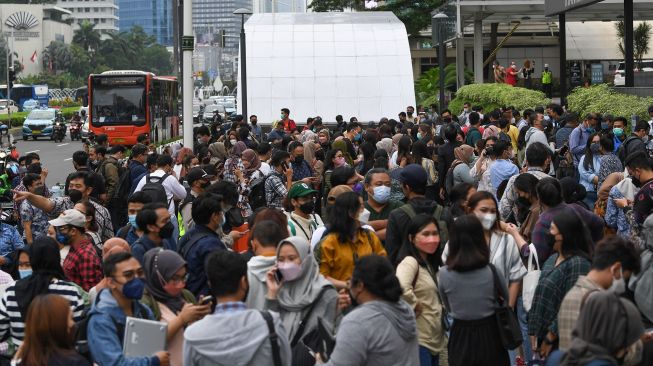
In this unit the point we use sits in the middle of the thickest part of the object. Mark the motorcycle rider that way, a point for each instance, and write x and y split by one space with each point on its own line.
75 125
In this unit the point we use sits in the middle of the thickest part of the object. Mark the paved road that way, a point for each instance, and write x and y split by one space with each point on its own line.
55 156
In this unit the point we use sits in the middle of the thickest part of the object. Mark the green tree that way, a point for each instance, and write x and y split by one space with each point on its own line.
335 5
427 87
416 15
641 40
87 37
80 64
3 61
57 57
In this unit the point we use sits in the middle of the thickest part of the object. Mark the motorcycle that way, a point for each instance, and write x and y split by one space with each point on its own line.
58 131
75 131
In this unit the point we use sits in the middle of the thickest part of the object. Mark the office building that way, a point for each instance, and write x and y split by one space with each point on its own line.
279 6
211 16
102 13
154 16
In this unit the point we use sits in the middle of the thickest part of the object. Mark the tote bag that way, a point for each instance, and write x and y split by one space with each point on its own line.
531 279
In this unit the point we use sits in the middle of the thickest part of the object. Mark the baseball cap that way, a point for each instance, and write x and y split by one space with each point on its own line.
546 65
413 175
195 174
69 217
337 191
300 190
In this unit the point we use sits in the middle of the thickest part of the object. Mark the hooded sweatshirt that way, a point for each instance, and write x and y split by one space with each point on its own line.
234 338
535 135
257 268
377 333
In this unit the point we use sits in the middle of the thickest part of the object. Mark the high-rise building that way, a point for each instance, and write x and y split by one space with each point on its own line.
280 6
154 16
102 13
212 16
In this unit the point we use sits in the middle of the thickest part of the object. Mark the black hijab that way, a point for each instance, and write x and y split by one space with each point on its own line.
45 260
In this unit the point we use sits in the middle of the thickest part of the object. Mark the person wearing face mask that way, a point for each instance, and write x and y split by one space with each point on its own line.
112 306
287 123
588 168
155 221
417 273
354 134
33 219
131 232
614 261
296 287
256 129
503 168
635 142
381 328
202 239
47 277
618 131
165 278
198 181
572 246
82 264
378 186
609 332
302 170
610 163
303 220
641 175
266 236
280 180
323 138
345 240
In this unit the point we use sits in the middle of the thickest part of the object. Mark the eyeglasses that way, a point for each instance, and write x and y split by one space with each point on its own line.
179 279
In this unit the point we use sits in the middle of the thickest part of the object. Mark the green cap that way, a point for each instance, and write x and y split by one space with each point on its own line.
300 190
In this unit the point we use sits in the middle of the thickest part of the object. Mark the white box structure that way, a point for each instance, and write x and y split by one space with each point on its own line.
325 64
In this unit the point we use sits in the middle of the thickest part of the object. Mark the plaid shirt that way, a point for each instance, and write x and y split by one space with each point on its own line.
10 241
82 265
230 307
570 309
551 289
275 190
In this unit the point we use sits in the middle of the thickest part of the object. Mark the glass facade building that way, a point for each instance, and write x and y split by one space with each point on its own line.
154 16
212 16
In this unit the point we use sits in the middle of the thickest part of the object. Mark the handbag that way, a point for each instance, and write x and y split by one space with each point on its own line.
273 337
444 316
303 346
531 279
509 330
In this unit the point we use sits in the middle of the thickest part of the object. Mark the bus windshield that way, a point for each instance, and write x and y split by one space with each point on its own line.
118 105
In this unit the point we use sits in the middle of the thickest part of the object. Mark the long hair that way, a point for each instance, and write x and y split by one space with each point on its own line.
419 152
89 211
342 217
403 149
46 331
588 163
468 249
408 248
479 196
576 238
328 159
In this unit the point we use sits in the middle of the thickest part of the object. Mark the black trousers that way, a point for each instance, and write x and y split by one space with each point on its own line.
476 343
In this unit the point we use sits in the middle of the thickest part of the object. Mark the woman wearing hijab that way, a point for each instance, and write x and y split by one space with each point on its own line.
47 278
301 287
235 172
608 333
165 279
314 156
461 166
385 144
340 144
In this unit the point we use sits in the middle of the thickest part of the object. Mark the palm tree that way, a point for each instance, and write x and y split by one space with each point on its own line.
641 39
57 57
87 37
427 87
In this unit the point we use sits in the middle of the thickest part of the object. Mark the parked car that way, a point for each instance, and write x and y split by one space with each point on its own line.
30 105
12 106
39 123
620 74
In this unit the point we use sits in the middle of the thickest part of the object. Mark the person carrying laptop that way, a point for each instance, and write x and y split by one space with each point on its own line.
114 304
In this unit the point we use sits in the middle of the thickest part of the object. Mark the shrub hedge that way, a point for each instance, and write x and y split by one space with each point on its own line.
17 119
602 99
492 96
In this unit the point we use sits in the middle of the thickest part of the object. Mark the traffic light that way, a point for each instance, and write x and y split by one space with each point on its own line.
223 38
12 77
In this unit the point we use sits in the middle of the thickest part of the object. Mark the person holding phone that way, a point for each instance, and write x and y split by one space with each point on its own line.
280 180
165 279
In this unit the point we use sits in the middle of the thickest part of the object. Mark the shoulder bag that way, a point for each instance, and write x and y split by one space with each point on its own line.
509 330
531 279
303 346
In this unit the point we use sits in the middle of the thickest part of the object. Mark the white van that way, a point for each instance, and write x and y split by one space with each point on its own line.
620 74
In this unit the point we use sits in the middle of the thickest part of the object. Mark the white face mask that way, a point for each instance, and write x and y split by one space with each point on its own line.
618 285
487 220
233 142
364 217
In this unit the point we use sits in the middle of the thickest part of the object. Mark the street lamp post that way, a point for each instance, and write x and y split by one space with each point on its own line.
437 27
243 61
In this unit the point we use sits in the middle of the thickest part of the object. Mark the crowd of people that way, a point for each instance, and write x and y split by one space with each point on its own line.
498 237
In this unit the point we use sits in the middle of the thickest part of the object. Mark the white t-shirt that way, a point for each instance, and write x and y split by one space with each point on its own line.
265 169
319 232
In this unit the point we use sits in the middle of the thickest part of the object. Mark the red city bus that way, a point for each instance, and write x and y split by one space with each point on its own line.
125 103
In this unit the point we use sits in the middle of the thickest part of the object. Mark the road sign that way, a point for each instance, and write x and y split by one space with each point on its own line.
213 73
187 43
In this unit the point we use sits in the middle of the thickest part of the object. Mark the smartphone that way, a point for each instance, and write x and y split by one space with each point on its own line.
284 166
206 300
563 150
278 276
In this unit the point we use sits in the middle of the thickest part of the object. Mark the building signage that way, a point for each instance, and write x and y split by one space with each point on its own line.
20 24
555 7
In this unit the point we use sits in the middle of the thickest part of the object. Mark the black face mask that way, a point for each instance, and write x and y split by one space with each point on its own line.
166 230
523 208
319 155
75 195
635 181
307 207
299 159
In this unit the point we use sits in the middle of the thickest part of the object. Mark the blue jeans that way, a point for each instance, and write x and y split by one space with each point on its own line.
426 358
590 200
522 316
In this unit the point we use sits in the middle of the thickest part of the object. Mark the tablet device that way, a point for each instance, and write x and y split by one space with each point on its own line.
144 337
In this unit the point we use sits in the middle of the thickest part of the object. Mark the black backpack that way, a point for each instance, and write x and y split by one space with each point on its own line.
505 137
124 186
154 189
257 193
622 152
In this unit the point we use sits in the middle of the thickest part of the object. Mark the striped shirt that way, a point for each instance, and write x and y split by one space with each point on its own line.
12 323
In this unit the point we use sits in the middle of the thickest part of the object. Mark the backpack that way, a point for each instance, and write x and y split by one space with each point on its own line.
124 186
187 245
154 188
622 153
257 192
448 180
505 137
438 214
122 232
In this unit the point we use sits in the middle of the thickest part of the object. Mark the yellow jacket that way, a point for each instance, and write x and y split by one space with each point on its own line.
337 259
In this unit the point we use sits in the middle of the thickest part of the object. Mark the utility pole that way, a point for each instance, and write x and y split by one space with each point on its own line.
187 47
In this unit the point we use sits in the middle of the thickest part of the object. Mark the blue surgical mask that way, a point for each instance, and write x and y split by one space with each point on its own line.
24 273
605 125
381 194
358 136
618 131
132 221
62 238
590 130
134 289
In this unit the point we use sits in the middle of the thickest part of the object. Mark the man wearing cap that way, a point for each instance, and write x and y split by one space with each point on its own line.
413 180
303 220
547 81
82 264
198 180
